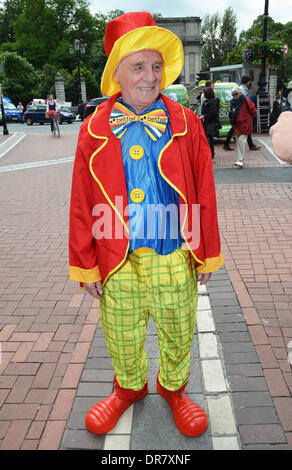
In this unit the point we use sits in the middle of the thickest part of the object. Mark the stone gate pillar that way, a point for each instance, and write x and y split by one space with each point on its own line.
60 88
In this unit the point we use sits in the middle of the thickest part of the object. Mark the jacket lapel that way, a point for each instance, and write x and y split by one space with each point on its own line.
106 162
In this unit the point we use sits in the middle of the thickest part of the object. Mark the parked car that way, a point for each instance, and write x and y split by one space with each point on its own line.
92 104
37 113
11 112
66 116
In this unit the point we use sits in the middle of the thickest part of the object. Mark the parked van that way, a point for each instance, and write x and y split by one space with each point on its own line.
177 93
223 91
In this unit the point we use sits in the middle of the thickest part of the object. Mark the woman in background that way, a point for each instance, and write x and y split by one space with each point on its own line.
209 116
51 109
242 111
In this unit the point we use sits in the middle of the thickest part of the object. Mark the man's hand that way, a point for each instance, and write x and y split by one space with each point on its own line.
203 278
94 288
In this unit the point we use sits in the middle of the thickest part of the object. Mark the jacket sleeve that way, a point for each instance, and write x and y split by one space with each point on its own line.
251 107
83 265
203 173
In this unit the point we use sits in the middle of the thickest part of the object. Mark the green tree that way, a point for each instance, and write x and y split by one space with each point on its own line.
219 36
276 31
45 28
235 56
97 60
19 81
33 33
256 30
9 12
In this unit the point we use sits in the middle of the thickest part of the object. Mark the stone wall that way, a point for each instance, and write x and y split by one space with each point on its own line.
188 29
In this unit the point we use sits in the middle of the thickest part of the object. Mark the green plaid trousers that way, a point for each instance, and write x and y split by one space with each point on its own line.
165 287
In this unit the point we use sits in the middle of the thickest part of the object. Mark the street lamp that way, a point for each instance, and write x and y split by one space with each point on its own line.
79 49
262 80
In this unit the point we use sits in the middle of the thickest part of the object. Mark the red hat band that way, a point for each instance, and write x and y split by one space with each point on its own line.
121 25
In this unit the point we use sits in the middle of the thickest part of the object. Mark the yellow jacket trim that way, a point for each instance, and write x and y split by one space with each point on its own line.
104 192
211 264
84 275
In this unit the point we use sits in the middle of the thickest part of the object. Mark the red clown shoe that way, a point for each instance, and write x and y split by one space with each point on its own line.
189 418
103 416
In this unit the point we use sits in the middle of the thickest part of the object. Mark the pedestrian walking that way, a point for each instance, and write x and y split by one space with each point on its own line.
20 109
207 84
209 116
245 85
141 149
242 111
282 102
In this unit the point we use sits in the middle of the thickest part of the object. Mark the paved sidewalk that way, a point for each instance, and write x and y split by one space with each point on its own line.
54 363
255 223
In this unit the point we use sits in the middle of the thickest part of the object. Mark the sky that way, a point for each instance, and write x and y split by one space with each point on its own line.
246 10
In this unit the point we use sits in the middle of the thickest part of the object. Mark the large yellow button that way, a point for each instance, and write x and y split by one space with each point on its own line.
137 195
136 152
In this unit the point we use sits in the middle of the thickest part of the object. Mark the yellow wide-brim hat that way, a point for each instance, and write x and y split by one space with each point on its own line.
134 32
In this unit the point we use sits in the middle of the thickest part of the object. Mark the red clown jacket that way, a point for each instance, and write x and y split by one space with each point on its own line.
99 183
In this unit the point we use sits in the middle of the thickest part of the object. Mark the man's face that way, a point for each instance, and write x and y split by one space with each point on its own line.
139 76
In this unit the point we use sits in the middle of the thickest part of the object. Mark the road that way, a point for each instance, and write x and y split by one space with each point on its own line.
40 128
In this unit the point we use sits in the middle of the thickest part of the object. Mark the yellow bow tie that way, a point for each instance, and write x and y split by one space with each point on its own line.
155 122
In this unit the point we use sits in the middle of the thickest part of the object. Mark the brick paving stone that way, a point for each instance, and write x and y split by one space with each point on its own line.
80 352
72 376
31 444
6 332
43 342
18 411
90 389
22 352
97 376
261 434
241 358
36 430
256 415
267 356
247 384
284 410
63 404
21 369
276 382
52 435
44 375
258 334
15 435
82 440
20 389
